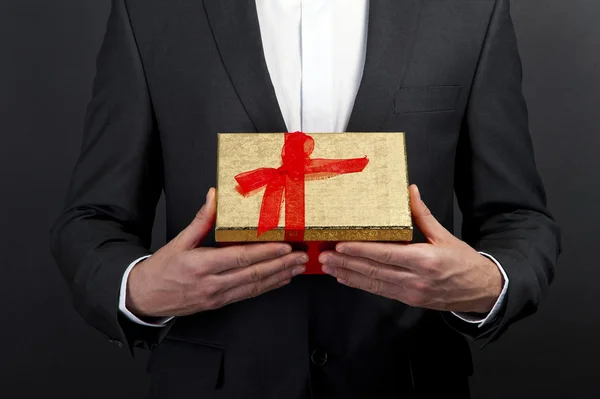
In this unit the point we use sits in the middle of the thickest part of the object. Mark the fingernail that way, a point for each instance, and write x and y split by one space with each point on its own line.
200 213
417 192
302 260
325 259
209 195
285 250
341 249
329 270
298 270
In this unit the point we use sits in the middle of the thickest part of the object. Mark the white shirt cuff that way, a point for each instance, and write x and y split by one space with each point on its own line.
158 322
493 314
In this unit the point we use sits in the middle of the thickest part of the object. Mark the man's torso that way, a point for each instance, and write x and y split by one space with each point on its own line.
206 74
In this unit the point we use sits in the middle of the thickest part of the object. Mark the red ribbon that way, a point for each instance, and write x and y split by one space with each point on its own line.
289 180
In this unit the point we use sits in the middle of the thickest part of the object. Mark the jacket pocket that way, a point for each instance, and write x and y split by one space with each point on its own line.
426 99
182 366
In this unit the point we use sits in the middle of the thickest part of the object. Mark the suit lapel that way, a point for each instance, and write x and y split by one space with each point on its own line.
236 30
391 31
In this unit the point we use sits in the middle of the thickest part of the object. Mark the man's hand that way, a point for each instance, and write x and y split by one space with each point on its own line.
444 274
181 278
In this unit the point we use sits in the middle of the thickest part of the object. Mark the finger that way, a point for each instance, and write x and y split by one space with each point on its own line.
202 224
254 289
425 221
408 256
353 279
240 256
262 270
333 264
415 293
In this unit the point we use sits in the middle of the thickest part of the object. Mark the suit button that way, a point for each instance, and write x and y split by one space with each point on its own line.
318 357
117 342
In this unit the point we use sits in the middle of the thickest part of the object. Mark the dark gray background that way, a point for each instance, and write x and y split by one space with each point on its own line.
47 55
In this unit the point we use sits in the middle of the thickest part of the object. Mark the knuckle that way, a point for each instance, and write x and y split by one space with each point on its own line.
421 288
208 292
283 278
386 256
436 269
343 274
227 298
201 214
189 265
213 303
343 262
194 271
286 262
413 299
221 300
255 274
254 290
418 297
426 211
374 286
179 243
243 260
430 265
373 271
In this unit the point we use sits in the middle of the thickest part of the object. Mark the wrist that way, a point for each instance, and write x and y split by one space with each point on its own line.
134 298
492 283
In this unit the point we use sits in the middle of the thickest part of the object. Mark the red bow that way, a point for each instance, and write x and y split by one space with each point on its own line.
289 179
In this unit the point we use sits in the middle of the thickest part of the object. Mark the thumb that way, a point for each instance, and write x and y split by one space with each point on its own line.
424 220
197 230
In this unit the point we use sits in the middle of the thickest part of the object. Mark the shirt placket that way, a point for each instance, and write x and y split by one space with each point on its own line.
317 66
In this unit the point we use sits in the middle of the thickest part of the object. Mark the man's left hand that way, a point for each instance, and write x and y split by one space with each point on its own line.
443 274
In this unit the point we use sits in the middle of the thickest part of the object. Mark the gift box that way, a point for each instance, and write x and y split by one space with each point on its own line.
312 190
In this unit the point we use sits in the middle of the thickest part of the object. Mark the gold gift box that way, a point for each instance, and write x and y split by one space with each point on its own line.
371 205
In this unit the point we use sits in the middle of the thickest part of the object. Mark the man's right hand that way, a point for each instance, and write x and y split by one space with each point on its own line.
182 279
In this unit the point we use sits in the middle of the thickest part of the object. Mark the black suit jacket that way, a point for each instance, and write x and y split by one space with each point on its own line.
171 74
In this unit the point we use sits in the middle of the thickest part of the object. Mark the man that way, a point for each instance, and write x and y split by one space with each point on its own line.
240 322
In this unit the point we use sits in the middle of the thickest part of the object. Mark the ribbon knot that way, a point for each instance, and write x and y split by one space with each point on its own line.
286 184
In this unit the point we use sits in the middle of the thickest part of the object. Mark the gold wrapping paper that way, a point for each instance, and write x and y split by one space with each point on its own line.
372 205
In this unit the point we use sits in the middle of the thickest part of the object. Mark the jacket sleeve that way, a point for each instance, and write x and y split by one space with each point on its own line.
498 188
114 188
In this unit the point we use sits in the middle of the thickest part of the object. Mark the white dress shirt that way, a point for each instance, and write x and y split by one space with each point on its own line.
316 63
